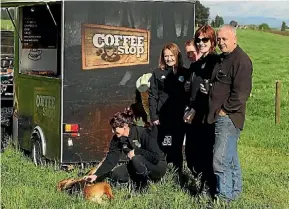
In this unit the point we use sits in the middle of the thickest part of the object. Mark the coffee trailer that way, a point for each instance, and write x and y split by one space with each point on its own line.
77 62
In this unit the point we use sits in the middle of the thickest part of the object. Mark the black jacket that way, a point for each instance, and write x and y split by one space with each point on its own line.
167 96
200 70
232 84
142 140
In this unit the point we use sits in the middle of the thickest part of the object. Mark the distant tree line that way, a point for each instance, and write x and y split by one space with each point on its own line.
263 26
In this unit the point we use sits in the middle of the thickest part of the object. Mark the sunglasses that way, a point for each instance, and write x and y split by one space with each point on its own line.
204 40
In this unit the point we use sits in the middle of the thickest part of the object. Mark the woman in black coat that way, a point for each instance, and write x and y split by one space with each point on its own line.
146 160
200 135
167 100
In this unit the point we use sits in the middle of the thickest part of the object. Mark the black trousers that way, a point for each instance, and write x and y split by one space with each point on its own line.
139 170
170 139
199 153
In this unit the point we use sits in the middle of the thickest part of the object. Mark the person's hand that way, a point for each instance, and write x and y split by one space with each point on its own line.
156 122
187 86
189 115
131 154
147 124
90 178
203 89
222 113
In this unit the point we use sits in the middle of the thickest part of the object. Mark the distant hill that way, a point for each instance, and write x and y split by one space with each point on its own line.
256 20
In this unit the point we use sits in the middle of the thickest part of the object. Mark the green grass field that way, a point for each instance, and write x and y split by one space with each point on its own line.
263 150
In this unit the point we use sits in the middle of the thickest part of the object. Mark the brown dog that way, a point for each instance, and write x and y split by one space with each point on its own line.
92 192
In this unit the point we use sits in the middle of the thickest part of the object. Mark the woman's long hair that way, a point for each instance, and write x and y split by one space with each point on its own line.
121 118
176 52
208 32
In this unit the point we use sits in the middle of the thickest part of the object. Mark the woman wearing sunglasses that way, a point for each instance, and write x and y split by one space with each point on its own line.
200 136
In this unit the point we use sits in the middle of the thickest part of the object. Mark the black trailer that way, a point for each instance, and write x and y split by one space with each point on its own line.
77 62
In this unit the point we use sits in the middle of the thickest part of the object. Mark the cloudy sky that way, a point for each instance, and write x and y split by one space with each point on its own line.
245 8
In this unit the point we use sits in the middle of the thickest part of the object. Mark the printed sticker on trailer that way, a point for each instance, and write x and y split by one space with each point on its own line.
110 46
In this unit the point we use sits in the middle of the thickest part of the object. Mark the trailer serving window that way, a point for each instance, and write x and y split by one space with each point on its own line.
40 30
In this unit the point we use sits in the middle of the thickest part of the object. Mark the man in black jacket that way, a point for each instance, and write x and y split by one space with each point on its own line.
231 87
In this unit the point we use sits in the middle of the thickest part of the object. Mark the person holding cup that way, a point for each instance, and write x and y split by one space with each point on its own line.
200 134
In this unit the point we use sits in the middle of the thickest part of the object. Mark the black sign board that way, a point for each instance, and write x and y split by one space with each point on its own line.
39 29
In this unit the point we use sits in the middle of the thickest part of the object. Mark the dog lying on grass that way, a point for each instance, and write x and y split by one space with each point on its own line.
90 191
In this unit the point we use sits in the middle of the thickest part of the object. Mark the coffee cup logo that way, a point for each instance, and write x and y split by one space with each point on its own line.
34 54
109 53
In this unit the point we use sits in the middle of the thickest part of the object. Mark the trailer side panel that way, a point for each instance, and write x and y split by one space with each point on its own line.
92 95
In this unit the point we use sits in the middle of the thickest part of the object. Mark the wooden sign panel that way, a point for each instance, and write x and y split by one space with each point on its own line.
110 46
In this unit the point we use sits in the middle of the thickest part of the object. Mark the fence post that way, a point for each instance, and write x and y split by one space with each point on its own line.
277 102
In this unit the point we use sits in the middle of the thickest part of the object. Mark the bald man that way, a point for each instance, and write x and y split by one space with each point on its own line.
230 88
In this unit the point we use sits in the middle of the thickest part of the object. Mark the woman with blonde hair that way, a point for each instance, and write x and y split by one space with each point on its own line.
167 100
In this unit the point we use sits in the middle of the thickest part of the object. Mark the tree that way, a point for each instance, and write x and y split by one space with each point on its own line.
221 21
202 13
213 23
264 26
283 27
218 21
234 23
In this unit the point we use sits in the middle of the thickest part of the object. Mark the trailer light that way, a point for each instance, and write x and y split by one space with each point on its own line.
71 128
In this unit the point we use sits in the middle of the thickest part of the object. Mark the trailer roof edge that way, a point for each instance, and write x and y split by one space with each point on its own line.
15 3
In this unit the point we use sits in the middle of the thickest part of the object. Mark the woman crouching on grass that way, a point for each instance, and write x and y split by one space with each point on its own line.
146 160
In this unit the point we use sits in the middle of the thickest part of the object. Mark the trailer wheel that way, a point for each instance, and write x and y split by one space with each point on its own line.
37 152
